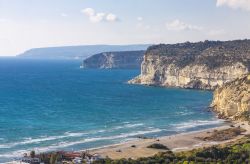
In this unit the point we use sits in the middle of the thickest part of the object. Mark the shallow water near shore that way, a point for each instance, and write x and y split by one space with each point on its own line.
55 105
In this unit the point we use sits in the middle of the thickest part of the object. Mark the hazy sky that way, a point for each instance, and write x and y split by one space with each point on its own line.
26 24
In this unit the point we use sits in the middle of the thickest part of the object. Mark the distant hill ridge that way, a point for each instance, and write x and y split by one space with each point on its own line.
78 52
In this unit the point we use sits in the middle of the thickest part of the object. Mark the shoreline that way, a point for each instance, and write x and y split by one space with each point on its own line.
134 140
152 138
179 142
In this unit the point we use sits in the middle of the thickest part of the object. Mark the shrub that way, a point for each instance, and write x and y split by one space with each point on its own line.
246 147
158 146
32 154
213 152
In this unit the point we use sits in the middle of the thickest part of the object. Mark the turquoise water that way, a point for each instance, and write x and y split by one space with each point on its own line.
55 105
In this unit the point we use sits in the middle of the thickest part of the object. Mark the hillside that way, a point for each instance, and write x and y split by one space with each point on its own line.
201 65
111 60
77 52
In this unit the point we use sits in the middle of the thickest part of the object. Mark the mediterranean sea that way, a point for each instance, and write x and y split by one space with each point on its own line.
48 105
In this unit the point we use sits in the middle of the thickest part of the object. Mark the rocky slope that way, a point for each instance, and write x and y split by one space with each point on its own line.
202 65
111 60
232 100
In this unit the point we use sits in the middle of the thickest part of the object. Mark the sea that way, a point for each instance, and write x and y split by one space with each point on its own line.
48 105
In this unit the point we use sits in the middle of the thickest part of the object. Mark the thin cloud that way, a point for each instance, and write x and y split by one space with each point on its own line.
178 25
140 19
88 11
217 32
64 15
235 4
111 17
96 17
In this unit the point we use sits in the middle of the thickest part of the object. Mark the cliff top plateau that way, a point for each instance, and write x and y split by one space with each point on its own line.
210 53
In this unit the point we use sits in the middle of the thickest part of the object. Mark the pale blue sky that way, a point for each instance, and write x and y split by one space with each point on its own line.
26 24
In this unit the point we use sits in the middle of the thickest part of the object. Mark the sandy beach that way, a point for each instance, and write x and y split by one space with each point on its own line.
179 142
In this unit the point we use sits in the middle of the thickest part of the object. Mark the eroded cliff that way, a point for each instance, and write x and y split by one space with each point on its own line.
111 60
232 100
202 65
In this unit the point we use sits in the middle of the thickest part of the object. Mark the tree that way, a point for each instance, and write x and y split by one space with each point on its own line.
53 158
32 154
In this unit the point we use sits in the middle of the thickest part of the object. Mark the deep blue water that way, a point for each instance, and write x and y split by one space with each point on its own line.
55 105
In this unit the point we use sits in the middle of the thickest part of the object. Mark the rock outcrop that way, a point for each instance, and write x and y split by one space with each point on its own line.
202 65
115 60
232 100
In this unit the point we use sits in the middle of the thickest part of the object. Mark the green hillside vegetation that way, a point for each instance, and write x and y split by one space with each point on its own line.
210 53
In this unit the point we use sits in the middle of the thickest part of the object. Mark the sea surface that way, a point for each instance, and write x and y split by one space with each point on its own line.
55 105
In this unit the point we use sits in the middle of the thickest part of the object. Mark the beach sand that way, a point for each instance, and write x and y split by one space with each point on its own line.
179 142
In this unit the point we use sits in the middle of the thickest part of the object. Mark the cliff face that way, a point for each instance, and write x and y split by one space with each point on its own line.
111 60
202 65
232 100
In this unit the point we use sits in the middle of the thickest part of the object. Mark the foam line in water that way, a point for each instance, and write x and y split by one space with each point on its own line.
128 126
196 123
184 113
13 154
68 144
42 139
66 135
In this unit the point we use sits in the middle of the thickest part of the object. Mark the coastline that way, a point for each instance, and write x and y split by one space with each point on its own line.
181 142
141 150
176 143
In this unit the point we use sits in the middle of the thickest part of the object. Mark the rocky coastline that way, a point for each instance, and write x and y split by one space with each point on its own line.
115 60
202 65
232 100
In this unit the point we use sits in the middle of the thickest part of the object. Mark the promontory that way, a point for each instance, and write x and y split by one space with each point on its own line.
115 60
201 65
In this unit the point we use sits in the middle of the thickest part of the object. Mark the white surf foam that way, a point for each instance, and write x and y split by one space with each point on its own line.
66 135
61 145
128 125
196 123
13 154
41 139
184 113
